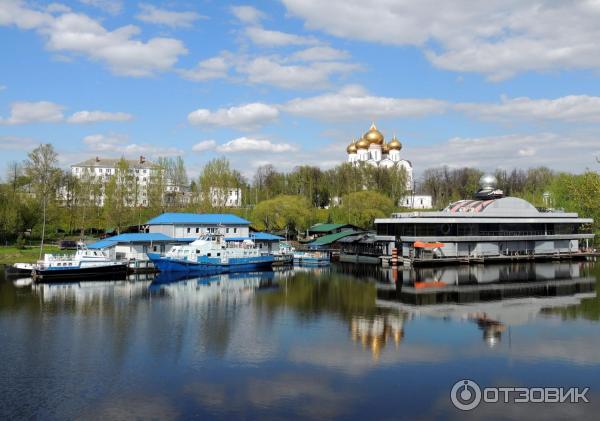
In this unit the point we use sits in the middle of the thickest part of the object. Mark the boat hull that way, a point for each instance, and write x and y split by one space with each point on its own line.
12 271
169 264
92 272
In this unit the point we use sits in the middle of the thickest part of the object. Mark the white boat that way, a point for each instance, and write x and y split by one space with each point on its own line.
284 255
312 258
84 263
212 254
19 269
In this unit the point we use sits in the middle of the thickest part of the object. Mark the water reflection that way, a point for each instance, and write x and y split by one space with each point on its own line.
346 340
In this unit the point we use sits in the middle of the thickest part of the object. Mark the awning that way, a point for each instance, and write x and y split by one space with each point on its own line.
421 244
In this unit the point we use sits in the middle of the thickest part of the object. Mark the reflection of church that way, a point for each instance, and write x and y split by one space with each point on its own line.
372 149
374 332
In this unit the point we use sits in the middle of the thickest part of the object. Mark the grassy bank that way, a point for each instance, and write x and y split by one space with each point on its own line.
10 255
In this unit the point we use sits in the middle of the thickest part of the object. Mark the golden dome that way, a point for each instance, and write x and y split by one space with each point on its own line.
362 143
374 135
352 147
395 144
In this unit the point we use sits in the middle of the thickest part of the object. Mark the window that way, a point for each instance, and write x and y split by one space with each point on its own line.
208 254
189 230
197 230
227 230
235 230
100 170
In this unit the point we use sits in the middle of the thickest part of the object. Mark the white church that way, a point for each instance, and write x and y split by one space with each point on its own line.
372 149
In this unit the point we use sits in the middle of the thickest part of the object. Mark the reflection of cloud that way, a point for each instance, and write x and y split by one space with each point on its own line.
132 407
574 349
355 361
312 396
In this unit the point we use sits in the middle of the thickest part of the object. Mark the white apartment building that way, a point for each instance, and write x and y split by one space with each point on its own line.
102 169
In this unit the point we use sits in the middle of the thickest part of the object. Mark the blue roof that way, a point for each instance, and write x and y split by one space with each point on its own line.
198 218
265 236
135 238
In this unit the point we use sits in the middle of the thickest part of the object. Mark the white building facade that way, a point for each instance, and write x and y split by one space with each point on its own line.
193 225
101 170
372 149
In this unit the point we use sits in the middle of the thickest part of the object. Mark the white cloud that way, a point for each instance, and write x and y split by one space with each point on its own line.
572 153
572 108
245 144
266 37
212 68
124 55
247 14
321 53
113 144
33 112
494 37
354 102
12 12
83 117
204 145
153 14
80 34
16 143
270 71
111 6
57 8
246 116
2 87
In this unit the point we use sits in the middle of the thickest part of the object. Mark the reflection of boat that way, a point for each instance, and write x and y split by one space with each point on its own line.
311 258
85 264
199 289
22 282
212 254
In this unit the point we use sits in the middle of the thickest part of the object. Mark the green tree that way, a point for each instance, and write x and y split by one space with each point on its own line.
361 208
283 213
41 168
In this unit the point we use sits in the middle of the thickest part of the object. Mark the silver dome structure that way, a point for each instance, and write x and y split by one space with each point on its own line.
488 182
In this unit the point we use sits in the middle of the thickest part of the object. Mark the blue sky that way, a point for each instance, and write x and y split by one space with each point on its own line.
500 84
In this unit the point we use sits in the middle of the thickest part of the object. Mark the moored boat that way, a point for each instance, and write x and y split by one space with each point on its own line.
19 269
85 264
311 258
212 254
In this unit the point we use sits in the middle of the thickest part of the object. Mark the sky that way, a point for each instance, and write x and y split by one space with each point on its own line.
494 84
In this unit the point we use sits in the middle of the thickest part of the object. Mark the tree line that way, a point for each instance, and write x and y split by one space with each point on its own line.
37 198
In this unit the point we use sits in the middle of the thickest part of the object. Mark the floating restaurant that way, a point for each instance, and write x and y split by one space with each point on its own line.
489 227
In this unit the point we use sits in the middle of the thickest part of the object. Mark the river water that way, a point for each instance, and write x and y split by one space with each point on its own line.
348 342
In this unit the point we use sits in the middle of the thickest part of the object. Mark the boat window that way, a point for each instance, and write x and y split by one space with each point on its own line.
208 254
218 254
197 230
189 230
197 251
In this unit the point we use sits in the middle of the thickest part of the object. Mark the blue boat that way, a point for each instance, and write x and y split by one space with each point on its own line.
210 254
